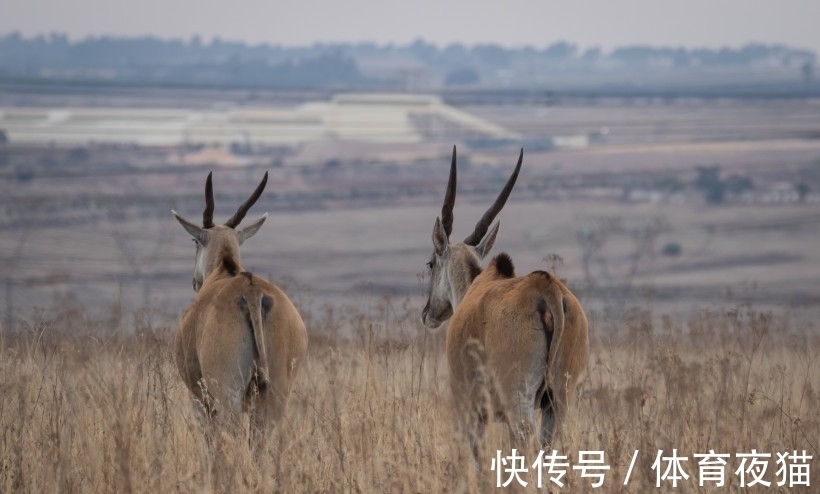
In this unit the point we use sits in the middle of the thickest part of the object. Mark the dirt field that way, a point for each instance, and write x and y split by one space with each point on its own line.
765 254
351 222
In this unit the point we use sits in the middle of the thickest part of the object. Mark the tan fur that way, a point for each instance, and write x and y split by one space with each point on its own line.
216 345
241 341
254 305
514 344
501 315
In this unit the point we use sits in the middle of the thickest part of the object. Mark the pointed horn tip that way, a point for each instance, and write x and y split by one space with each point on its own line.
264 181
237 218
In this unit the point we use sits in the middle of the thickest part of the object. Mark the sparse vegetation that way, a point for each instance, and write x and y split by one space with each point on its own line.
672 249
86 410
802 189
24 172
714 187
462 77
710 183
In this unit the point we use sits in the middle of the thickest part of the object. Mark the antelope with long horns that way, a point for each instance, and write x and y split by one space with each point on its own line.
514 343
241 341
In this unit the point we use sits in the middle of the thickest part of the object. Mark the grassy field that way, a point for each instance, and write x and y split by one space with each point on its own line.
86 411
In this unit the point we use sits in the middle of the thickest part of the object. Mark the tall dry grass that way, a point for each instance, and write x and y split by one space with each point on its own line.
86 410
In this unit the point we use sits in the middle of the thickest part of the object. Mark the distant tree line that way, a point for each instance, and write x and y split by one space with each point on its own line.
152 60
149 59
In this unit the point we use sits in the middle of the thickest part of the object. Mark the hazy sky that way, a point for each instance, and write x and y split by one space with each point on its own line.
606 23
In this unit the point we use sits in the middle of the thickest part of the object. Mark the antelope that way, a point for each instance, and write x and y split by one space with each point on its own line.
241 341
514 343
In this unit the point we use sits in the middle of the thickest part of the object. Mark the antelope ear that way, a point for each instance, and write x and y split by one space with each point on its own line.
483 248
250 230
440 240
195 231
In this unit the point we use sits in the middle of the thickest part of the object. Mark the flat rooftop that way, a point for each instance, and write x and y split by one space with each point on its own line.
387 118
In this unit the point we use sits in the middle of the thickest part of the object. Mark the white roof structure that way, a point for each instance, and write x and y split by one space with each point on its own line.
356 117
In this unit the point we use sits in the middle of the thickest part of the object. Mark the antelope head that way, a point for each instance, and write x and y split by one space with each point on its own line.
213 241
454 266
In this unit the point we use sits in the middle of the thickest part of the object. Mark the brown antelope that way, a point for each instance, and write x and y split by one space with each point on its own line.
241 339
514 344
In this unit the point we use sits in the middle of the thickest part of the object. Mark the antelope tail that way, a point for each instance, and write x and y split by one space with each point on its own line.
257 306
556 354
552 305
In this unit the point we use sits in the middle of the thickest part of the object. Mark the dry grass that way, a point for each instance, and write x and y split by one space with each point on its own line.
82 411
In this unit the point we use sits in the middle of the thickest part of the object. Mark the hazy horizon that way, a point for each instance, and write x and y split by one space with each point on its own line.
519 23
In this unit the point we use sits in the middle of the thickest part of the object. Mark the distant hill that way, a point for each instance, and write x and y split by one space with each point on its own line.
415 66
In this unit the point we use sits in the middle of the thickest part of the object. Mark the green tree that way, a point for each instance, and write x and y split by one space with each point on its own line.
462 77
803 190
738 184
23 172
710 183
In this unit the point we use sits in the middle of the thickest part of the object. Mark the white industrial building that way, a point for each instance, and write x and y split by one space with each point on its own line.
387 118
